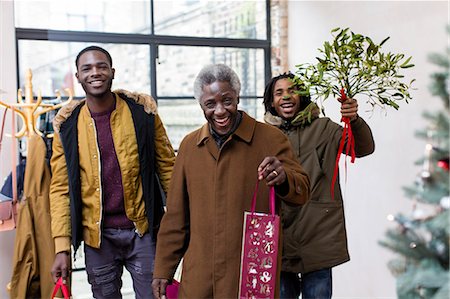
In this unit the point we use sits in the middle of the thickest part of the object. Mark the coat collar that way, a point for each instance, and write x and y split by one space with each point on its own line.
245 130
119 104
145 100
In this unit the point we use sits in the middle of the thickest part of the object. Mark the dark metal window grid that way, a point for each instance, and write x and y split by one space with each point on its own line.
153 40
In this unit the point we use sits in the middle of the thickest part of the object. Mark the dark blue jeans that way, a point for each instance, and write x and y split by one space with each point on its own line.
119 248
312 285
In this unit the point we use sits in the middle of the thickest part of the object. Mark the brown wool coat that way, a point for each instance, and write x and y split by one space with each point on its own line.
209 192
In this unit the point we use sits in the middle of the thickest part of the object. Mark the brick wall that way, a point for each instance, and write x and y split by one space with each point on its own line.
279 23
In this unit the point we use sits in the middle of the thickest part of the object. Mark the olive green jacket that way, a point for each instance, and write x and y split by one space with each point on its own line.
314 234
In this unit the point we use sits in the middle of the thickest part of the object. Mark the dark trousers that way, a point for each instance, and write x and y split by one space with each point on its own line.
312 285
119 248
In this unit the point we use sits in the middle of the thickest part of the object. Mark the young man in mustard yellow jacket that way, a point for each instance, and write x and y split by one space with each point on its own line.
108 150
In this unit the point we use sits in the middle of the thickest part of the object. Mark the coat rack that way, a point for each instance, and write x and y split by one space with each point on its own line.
28 109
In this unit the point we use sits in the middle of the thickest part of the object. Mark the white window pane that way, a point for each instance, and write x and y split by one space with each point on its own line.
180 117
213 18
178 66
53 65
119 16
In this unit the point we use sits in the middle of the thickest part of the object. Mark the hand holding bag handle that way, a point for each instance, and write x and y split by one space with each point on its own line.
271 199
61 285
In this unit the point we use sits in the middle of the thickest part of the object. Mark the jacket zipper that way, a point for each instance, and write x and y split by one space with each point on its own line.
100 184
124 200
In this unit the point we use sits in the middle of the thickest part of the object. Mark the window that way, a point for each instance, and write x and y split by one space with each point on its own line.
158 47
53 65
203 19
84 15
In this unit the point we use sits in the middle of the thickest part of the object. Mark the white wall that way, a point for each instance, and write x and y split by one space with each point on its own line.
7 94
374 184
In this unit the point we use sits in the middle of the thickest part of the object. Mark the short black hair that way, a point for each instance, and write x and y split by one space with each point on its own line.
268 94
93 48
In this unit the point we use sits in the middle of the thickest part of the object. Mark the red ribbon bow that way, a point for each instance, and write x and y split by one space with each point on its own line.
350 149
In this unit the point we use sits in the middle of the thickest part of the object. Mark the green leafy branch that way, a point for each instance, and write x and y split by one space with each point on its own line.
356 64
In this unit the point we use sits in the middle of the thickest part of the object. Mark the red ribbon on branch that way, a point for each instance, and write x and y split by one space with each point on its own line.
347 134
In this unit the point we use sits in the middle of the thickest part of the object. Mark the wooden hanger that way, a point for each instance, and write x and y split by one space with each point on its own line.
28 109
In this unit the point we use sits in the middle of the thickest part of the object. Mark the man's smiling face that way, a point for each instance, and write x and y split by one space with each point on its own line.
285 99
95 74
219 103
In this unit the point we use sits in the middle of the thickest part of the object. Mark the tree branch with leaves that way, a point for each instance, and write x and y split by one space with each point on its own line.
353 63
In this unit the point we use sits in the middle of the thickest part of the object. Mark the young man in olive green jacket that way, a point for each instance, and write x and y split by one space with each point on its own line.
314 234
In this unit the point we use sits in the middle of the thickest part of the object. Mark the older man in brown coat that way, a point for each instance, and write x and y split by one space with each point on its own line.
212 184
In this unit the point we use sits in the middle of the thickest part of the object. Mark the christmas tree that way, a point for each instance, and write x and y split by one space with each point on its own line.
422 238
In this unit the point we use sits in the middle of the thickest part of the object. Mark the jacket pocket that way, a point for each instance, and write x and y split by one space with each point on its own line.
321 226
312 226
290 216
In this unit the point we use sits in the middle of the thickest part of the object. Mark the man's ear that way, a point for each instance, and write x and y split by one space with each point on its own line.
238 100
113 72
78 79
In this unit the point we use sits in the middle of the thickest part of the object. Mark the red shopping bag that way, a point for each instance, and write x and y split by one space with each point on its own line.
259 251
60 284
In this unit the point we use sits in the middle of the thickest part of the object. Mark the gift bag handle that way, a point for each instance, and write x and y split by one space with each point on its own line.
3 127
271 199
14 155
60 284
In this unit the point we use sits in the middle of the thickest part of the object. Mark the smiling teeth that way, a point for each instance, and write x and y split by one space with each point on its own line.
222 121
287 105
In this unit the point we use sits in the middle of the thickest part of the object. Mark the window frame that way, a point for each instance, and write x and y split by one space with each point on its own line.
153 41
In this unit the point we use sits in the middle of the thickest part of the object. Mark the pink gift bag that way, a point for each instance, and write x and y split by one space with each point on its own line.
172 290
259 251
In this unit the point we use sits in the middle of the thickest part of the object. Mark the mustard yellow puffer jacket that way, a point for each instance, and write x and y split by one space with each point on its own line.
76 191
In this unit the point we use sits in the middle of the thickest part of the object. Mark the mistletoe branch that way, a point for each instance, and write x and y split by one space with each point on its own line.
354 62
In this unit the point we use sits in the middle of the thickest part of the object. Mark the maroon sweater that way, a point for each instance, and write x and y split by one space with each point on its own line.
113 205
